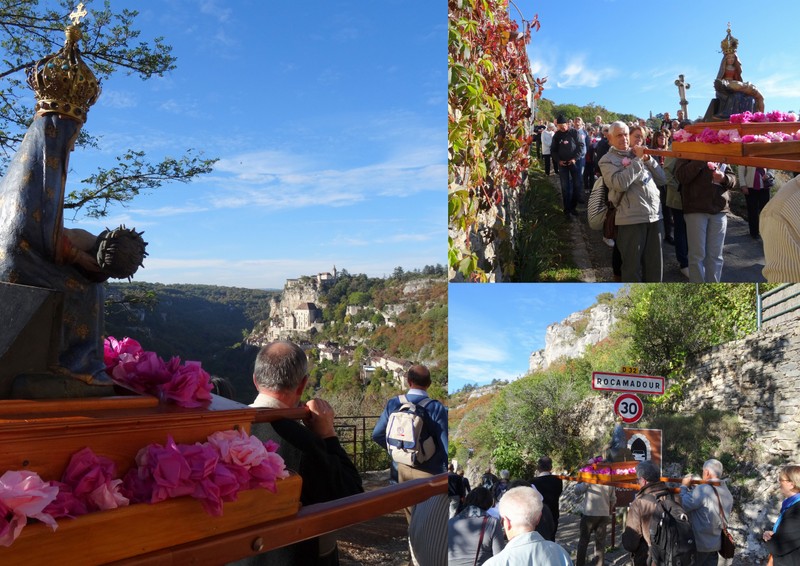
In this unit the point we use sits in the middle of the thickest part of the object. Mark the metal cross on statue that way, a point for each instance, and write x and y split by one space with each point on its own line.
682 86
78 14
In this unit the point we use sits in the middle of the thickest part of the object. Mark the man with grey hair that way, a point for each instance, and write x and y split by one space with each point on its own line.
520 512
636 537
632 178
311 448
703 505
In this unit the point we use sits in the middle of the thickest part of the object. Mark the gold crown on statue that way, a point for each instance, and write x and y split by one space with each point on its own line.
62 82
730 43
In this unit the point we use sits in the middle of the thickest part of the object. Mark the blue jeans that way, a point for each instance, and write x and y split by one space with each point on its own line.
681 243
706 235
571 185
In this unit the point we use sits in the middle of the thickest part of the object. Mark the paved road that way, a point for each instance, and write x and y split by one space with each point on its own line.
743 256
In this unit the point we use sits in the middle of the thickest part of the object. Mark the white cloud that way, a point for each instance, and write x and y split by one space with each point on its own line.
118 99
578 74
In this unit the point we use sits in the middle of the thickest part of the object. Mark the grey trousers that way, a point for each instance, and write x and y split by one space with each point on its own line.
640 247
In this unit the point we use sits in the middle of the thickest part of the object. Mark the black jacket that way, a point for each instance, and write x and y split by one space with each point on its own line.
785 542
567 145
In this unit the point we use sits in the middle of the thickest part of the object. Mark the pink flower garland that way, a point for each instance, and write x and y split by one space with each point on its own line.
186 385
774 116
211 472
732 136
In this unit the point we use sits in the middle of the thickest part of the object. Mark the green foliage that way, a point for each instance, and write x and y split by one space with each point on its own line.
487 107
538 415
30 30
690 440
548 111
194 322
668 323
540 244
131 176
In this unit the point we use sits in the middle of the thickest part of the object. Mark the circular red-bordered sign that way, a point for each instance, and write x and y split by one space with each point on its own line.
629 408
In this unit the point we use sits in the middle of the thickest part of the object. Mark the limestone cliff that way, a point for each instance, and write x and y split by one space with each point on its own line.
570 337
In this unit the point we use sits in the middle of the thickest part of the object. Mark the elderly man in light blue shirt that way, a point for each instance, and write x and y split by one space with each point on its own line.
703 505
520 512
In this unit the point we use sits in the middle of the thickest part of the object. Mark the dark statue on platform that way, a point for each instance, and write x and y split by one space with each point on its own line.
733 95
51 276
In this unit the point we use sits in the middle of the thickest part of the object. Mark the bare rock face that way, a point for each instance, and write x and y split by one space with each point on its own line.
570 337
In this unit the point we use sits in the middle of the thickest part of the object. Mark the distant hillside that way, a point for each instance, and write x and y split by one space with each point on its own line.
205 323
402 318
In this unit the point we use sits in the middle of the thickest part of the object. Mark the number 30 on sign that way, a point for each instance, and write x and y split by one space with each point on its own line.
629 408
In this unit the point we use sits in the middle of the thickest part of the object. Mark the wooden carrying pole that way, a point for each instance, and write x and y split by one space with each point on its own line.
752 161
627 484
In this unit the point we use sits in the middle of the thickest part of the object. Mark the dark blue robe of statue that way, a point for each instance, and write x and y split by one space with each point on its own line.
31 224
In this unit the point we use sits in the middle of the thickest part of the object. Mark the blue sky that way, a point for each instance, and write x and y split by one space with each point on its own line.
493 329
626 55
329 121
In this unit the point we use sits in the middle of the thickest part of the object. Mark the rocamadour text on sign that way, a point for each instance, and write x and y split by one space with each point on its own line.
647 384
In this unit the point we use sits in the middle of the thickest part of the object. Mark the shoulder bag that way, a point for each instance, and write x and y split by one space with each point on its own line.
480 540
727 544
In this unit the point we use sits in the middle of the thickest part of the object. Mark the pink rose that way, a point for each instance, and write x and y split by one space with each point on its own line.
23 495
626 161
190 386
112 348
108 496
65 504
91 480
143 373
239 448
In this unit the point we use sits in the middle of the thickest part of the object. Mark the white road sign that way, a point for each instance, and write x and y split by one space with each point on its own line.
628 383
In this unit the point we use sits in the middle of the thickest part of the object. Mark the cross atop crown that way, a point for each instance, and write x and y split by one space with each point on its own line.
78 14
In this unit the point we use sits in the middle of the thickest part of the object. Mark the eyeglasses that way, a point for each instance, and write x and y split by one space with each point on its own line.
785 480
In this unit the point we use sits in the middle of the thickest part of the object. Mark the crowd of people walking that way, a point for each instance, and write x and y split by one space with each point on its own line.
514 522
659 199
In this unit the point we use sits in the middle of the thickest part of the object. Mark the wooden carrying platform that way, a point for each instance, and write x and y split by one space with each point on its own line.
41 436
784 156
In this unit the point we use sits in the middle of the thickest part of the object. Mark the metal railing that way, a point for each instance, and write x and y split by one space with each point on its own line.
355 435
778 304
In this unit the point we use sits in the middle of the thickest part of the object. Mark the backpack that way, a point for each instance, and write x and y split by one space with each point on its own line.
598 204
408 436
671 535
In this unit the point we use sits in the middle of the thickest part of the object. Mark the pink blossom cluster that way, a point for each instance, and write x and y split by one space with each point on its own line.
187 385
211 472
683 136
23 495
771 137
774 116
89 483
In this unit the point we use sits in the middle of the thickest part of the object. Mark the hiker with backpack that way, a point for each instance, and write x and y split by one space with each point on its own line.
636 537
709 505
413 429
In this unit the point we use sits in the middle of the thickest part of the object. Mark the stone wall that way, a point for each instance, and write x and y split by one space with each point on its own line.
758 378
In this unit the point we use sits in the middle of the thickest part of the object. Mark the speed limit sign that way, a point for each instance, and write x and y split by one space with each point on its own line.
629 407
